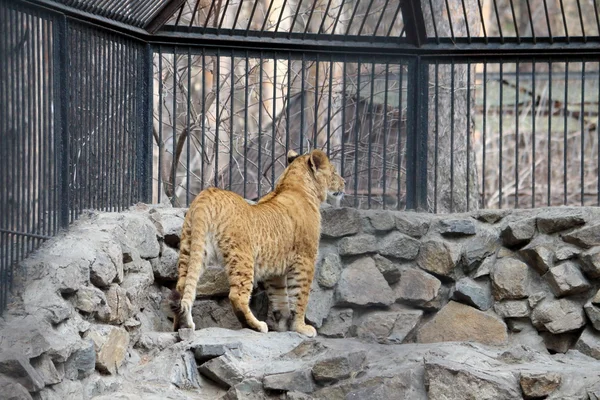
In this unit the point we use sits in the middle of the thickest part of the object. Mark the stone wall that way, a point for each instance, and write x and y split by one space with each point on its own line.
89 317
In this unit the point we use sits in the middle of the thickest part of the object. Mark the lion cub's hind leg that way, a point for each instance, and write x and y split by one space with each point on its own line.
278 301
299 279
240 269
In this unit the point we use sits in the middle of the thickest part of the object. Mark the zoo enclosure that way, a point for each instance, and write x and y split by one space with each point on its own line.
422 105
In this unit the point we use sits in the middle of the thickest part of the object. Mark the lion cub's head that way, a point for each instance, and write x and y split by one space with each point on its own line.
328 180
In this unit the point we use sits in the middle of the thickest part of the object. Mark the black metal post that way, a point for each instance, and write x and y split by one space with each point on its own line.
145 166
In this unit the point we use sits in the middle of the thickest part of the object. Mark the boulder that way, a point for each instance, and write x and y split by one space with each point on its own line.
108 265
590 263
518 233
214 313
596 299
358 244
436 257
91 300
557 220
456 227
412 224
558 316
459 322
165 267
156 340
41 299
586 237
361 284
67 389
120 307
82 361
13 390
398 245
45 367
477 249
213 282
589 343
490 216
339 222
566 279
388 326
319 302
337 323
510 279
333 369
512 309
559 343
539 384
381 221
295 381
538 256
329 271
136 284
222 370
473 293
389 270
418 289
110 343
18 367
566 252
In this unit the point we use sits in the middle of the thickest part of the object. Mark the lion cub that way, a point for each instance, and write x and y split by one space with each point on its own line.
274 241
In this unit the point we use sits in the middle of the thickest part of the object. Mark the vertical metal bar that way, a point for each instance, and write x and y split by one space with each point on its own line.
498 21
38 167
531 22
379 19
314 141
237 15
174 135
399 140
469 135
218 116
251 18
273 119
482 20
581 21
484 128
362 25
223 15
565 112
564 19
187 122
260 112
356 132
452 86
160 122
121 44
329 105
369 138
514 18
533 131
325 14
147 132
302 102
550 114
280 17
294 19
500 163
352 17
231 126
111 124
335 23
385 128
343 139
264 25
437 135
449 14
582 111
287 103
548 25
61 122
467 22
246 124
29 180
310 15
517 134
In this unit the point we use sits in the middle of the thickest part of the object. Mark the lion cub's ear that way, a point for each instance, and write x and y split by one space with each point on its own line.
291 156
317 159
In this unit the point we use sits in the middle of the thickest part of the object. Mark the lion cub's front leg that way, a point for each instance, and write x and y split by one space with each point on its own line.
299 279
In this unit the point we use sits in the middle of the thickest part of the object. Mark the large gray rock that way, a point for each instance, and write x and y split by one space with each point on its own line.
566 279
558 316
518 233
82 361
557 220
338 222
165 267
110 343
477 249
593 313
412 224
436 257
358 244
337 324
92 300
456 227
42 300
538 256
559 343
67 389
389 270
213 282
214 313
382 221
586 237
333 369
119 305
459 322
510 279
169 223
539 384
136 284
140 234
418 289
398 245
319 302
490 216
388 326
445 379
298 381
13 390
46 369
590 263
473 293
512 309
223 370
329 270
361 284
18 367
589 343
108 265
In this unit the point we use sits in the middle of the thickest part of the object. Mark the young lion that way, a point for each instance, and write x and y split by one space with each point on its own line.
274 241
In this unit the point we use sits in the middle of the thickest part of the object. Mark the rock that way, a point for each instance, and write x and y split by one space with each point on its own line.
476 294
382 221
110 343
337 324
18 367
46 369
412 224
536 299
510 279
361 284
185 333
222 370
565 279
458 322
171 222
477 249
558 316
207 351
296 381
319 303
388 326
67 389
42 299
445 379
589 343
558 220
596 299
518 233
490 216
91 300
82 361
329 271
540 257
338 222
485 268
456 227
590 263
119 305
157 340
248 389
184 373
165 267
540 384
214 313
213 282
436 257
97 385
398 245
388 269
586 237
136 284
566 252
560 343
358 244
333 369
13 390
108 265
418 289
140 234
512 309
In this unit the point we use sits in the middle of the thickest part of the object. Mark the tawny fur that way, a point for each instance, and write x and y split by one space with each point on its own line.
275 241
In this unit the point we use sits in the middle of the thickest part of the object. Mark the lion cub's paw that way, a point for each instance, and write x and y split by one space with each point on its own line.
262 327
307 330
